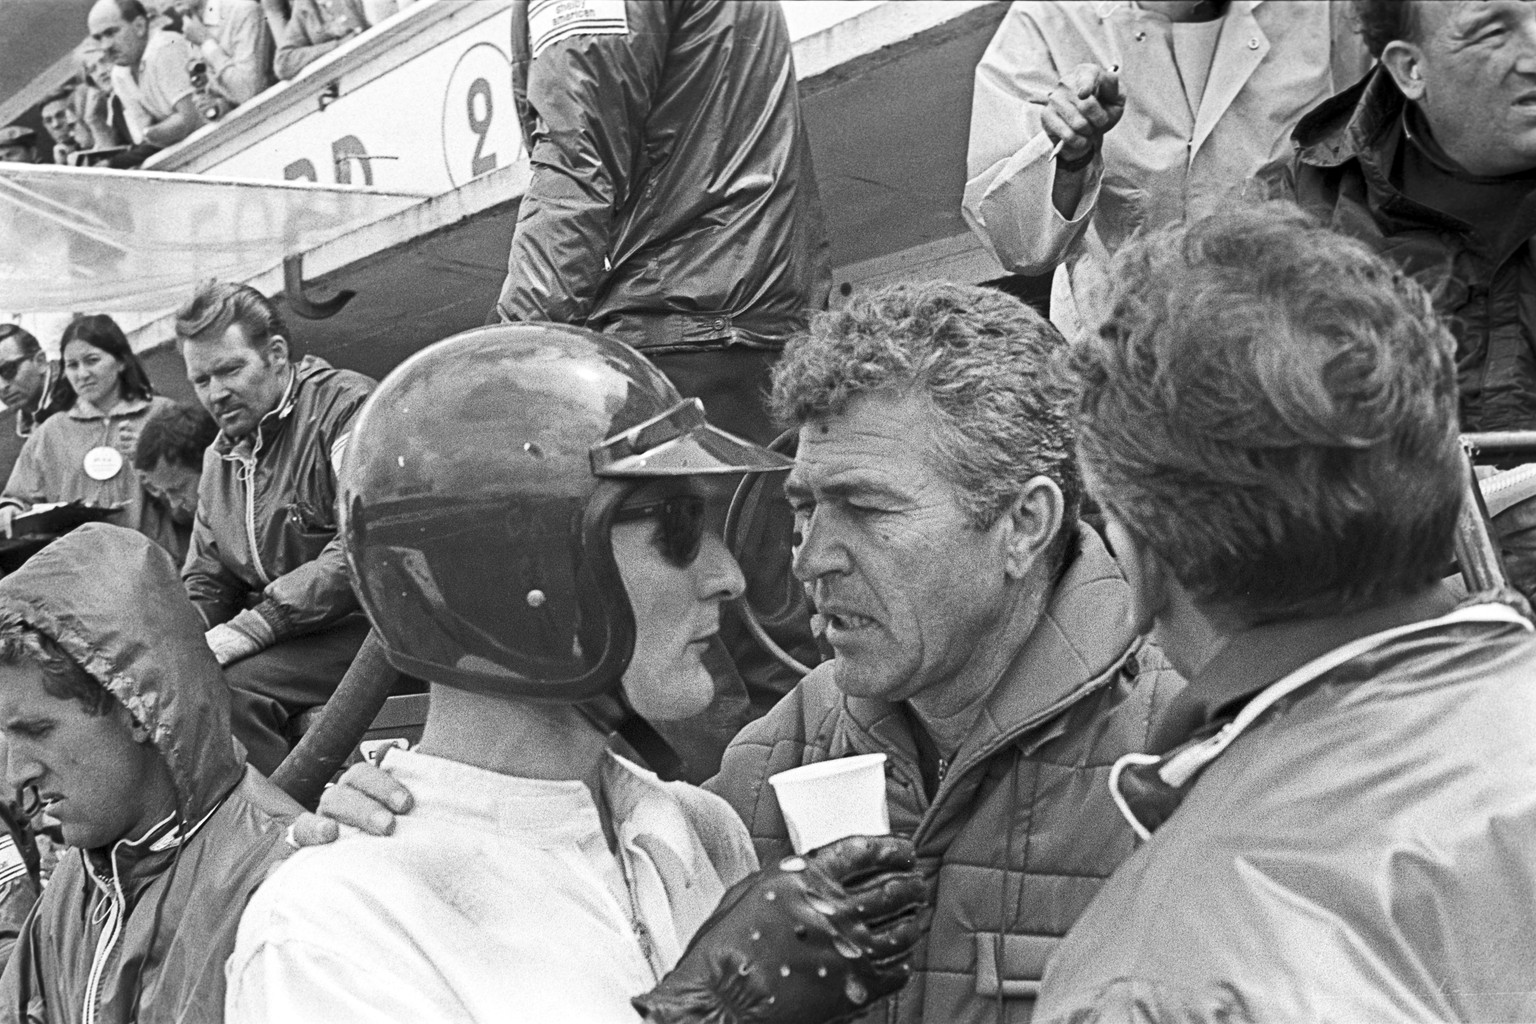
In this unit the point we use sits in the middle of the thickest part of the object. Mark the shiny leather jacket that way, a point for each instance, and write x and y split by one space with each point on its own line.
672 202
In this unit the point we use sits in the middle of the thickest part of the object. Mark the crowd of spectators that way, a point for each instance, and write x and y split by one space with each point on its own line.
1145 603
152 72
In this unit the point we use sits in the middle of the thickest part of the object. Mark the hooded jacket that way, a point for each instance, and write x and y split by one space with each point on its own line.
672 202
265 533
140 930
1360 852
1346 151
1022 831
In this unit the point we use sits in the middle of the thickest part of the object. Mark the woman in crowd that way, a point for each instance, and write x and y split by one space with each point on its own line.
84 454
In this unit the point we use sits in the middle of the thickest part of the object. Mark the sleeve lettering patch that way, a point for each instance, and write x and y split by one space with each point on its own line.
550 21
12 866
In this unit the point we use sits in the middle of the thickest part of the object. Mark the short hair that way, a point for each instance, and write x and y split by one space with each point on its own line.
131 10
100 331
980 357
24 340
65 95
218 305
1270 408
63 678
1384 21
177 435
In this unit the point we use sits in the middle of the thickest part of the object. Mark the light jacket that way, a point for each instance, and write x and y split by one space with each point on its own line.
1361 852
672 202
496 901
1022 831
1273 62
1346 149
51 467
265 532
139 931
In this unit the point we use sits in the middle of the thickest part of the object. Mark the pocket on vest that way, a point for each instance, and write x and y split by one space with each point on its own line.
1012 965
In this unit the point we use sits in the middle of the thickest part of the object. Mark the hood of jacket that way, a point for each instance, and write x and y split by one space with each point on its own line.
1347 125
113 600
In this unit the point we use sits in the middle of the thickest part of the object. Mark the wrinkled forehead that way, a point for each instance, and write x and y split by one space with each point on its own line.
1454 20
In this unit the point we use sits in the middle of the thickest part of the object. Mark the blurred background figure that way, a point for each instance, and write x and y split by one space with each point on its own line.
100 109
314 28
1431 161
62 122
30 385
82 454
236 53
150 77
1146 109
169 457
18 145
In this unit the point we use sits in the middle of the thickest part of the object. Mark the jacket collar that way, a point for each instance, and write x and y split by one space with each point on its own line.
1351 125
84 410
1257 657
1080 641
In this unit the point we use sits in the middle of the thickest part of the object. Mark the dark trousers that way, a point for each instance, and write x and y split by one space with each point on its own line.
269 690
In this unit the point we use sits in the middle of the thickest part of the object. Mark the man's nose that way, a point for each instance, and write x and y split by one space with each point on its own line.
818 552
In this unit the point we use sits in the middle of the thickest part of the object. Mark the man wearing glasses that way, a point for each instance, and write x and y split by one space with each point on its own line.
27 382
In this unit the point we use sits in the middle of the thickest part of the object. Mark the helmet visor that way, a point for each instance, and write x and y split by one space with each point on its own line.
680 442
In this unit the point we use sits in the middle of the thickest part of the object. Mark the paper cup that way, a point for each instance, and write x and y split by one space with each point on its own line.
831 800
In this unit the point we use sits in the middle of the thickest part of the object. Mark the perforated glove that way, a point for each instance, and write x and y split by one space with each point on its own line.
812 939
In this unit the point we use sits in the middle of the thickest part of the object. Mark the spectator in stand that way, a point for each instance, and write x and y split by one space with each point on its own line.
1432 162
314 29
30 384
266 568
62 123
238 50
116 717
1148 108
169 457
1339 811
82 454
150 77
18 145
100 110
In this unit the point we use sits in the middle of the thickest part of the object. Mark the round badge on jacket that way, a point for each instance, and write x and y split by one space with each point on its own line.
103 462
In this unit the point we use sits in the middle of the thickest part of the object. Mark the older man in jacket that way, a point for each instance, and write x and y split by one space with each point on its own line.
1432 162
980 632
266 568
1340 807
116 720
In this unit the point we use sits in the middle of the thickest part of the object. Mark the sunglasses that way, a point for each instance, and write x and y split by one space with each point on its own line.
681 519
11 367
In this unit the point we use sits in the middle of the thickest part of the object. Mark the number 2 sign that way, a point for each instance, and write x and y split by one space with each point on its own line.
480 130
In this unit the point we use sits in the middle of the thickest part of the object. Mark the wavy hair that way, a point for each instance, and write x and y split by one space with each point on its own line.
1271 409
980 357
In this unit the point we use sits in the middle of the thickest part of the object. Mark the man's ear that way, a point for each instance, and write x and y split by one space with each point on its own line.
1404 61
277 349
1147 574
1031 524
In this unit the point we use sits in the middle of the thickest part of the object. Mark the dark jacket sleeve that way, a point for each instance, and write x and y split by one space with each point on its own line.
216 591
587 101
318 592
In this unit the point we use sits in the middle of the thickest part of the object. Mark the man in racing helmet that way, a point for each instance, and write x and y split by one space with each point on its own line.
528 538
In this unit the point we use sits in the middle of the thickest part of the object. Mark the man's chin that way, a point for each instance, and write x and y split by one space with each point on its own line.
857 677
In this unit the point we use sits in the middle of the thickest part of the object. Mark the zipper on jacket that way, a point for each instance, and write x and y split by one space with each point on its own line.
247 476
108 939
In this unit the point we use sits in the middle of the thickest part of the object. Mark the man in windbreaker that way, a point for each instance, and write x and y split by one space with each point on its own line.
115 716
1340 808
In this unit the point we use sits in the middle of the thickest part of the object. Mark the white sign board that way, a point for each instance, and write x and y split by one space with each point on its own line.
429 125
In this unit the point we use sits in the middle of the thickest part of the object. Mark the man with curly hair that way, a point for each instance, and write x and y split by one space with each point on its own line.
980 632
1341 805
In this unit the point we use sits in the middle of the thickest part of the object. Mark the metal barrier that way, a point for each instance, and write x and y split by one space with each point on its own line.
1477 550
